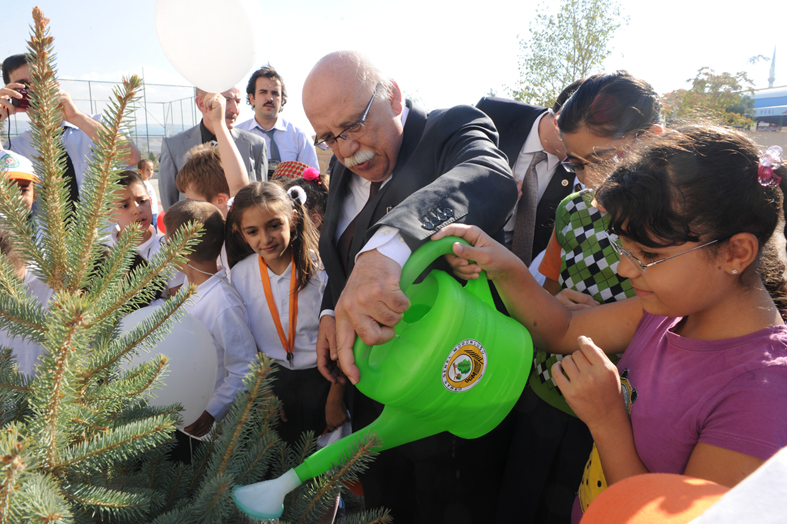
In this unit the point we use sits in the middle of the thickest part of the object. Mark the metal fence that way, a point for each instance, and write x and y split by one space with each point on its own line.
161 110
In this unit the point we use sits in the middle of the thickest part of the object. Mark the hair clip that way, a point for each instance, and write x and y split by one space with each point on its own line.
311 174
769 162
297 193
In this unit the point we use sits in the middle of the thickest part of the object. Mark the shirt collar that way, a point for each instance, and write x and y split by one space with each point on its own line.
533 144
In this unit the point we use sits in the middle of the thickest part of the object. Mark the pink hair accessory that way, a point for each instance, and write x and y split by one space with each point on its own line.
770 161
311 174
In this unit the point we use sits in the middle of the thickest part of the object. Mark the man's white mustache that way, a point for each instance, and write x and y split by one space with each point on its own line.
360 157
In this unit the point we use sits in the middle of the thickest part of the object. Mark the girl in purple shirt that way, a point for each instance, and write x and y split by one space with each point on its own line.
702 387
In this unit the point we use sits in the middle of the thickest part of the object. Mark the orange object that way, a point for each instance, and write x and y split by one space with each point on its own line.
661 498
160 223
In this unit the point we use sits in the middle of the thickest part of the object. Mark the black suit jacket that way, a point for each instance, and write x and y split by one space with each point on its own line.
514 120
449 169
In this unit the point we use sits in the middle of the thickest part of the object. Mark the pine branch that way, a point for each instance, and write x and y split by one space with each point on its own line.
96 193
40 500
255 383
15 217
109 502
10 284
147 333
377 516
106 448
136 382
12 466
25 318
45 119
255 461
180 243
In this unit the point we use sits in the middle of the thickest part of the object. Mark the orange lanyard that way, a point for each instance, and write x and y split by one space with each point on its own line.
288 344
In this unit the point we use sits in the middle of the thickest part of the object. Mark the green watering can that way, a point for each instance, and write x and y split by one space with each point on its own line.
455 364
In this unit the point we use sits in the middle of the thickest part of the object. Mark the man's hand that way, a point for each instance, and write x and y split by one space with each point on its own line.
327 351
215 105
200 426
371 304
71 112
7 108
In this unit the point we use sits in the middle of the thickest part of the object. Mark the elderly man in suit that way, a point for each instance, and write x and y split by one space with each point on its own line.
402 175
174 148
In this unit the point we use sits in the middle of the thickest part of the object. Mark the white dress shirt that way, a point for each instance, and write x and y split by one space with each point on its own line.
544 170
247 280
293 143
219 307
146 250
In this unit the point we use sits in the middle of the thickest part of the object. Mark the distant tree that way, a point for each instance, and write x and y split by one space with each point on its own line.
491 92
564 47
713 99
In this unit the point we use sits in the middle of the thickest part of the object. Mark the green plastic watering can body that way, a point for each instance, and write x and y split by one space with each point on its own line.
455 364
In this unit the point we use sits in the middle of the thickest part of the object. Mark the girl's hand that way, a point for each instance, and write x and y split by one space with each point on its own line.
335 415
591 386
485 254
574 300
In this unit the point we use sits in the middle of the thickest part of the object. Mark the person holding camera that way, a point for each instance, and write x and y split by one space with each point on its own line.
80 129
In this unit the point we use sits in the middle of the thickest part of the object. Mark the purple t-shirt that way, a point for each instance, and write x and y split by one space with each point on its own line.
728 393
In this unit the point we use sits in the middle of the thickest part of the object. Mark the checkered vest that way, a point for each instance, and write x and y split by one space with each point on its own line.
588 265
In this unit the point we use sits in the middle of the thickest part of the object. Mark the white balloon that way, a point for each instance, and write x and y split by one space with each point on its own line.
192 364
210 43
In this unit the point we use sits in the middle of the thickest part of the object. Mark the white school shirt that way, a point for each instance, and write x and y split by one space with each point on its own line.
247 280
25 351
221 310
293 143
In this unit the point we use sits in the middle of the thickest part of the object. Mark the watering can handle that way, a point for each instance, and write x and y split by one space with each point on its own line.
418 262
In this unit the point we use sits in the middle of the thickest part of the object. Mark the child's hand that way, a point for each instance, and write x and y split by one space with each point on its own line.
593 388
200 426
215 104
327 352
485 254
574 300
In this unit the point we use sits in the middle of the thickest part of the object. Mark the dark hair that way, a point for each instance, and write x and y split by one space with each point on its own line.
205 214
698 184
565 94
612 105
271 196
141 163
129 177
316 193
203 171
266 71
11 64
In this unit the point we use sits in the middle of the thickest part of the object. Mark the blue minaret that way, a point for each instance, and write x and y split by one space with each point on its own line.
773 69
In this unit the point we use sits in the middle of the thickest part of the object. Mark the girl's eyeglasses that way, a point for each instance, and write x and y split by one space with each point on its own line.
637 263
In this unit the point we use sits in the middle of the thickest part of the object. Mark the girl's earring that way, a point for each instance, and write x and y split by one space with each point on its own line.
734 271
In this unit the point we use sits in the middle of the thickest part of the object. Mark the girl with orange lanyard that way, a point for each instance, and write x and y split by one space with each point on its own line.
272 250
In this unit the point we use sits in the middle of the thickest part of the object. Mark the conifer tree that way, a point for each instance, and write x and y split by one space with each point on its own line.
78 441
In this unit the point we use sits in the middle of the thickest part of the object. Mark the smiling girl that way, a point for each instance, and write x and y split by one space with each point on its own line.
272 250
704 367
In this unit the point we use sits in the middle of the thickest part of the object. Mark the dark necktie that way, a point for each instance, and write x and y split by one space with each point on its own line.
577 187
71 181
525 223
347 237
275 156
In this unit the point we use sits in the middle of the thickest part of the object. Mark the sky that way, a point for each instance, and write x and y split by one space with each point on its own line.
441 53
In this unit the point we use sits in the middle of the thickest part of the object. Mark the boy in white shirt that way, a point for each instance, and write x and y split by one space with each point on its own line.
133 206
145 170
217 305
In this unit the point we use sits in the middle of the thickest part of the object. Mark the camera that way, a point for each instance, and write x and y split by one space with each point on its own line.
24 102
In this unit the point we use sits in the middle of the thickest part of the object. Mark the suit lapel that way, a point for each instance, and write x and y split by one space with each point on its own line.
413 130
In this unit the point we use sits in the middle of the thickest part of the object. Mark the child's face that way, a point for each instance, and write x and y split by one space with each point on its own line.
146 172
27 188
590 152
267 232
133 205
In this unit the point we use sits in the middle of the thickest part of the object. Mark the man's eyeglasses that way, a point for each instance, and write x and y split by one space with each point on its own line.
352 132
637 263
579 167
